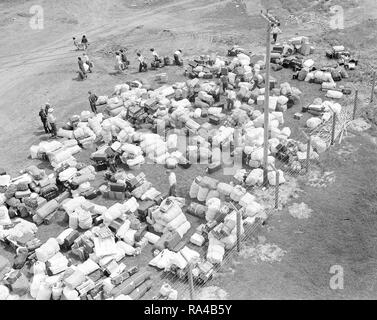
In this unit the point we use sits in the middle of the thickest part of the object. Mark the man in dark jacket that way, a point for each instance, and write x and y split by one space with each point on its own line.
43 116
92 100
84 42
81 68
124 58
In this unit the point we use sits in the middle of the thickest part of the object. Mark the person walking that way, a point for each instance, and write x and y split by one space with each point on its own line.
87 61
52 122
172 183
92 100
82 70
84 42
124 58
142 65
119 64
275 31
43 116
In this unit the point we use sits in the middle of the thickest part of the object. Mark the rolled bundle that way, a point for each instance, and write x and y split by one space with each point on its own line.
194 189
85 219
65 133
237 193
48 208
202 193
224 189
214 205
47 250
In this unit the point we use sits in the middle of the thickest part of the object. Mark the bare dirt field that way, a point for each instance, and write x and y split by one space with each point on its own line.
39 66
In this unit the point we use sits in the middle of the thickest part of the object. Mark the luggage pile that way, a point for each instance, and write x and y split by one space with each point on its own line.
343 57
100 238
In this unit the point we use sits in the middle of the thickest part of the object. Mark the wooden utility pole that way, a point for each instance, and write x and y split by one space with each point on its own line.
270 20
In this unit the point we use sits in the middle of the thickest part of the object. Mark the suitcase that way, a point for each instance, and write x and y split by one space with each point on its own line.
214 120
100 166
141 232
172 240
90 194
276 67
347 91
100 158
143 208
117 187
213 167
185 164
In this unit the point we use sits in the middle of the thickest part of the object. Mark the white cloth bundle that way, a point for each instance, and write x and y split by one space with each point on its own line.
272 177
246 200
84 218
313 122
253 208
47 250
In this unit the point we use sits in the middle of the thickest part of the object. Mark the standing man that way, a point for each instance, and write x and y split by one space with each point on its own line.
87 61
178 57
84 42
223 84
43 116
275 30
119 63
82 68
172 183
52 122
142 65
92 100
123 58
230 99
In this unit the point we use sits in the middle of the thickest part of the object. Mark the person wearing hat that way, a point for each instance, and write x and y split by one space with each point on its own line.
43 116
172 183
93 100
178 57
52 122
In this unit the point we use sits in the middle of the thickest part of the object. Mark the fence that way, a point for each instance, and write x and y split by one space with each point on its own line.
329 131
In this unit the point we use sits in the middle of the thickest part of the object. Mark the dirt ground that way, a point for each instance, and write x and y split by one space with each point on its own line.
39 66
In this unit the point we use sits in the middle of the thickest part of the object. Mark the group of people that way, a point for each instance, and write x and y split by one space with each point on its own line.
122 62
48 120
83 45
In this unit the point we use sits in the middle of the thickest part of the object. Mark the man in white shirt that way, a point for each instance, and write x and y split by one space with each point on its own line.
119 62
156 57
172 183
52 121
178 57
275 30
